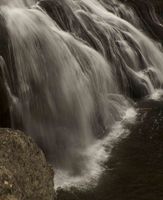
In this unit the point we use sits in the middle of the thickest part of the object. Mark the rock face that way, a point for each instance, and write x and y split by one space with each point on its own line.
24 173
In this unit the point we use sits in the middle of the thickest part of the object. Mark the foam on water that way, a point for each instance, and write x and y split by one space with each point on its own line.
97 154
157 95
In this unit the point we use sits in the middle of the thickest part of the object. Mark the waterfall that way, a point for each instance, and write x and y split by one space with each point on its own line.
72 69
129 51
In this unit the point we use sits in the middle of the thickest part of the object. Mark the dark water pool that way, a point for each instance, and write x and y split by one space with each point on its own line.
135 169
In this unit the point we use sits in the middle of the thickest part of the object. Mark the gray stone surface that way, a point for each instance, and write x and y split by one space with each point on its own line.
24 173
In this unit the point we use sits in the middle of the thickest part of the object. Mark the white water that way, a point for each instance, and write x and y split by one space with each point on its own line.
97 154
70 80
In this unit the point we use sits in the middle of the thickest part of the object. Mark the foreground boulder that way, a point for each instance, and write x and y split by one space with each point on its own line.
24 173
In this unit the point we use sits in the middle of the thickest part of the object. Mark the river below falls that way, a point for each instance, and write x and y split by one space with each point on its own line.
135 169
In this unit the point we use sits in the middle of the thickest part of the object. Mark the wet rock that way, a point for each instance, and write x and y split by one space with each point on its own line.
147 10
4 58
24 173
4 106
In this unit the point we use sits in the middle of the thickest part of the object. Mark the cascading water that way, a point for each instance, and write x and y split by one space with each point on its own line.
130 52
71 68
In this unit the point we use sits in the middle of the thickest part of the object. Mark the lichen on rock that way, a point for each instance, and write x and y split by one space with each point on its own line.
24 173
